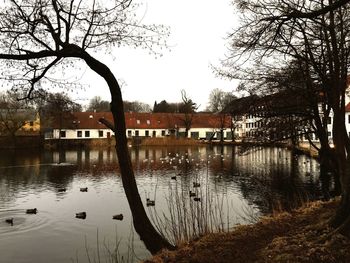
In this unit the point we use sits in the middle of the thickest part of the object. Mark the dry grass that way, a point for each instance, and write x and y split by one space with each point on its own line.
299 236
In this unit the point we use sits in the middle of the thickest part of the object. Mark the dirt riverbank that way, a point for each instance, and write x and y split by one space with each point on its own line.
300 236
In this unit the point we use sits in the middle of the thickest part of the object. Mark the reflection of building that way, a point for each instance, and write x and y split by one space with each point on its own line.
86 125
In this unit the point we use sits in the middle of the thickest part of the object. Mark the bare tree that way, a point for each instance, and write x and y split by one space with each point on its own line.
218 101
55 108
97 104
37 36
14 115
188 107
315 33
136 106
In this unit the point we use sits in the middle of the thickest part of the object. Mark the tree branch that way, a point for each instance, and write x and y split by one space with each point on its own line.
107 124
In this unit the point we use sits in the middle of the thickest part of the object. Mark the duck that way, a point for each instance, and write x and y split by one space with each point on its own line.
61 190
81 215
9 221
83 189
31 211
192 194
118 217
195 184
150 202
197 199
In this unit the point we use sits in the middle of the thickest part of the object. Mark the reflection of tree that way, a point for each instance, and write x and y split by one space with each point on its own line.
277 188
22 170
277 185
60 176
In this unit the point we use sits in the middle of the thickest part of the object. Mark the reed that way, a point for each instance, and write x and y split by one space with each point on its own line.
106 252
184 218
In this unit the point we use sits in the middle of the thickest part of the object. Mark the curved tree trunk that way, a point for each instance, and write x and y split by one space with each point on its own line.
152 239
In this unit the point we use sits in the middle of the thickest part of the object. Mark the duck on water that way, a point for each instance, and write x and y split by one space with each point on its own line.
31 211
9 221
80 215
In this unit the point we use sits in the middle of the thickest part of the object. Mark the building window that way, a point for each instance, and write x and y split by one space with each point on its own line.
138 121
154 133
163 132
62 134
31 123
349 118
100 133
129 133
329 120
79 134
87 133
136 133
147 133
329 134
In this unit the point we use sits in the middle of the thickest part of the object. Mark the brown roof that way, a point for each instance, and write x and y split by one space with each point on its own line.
137 120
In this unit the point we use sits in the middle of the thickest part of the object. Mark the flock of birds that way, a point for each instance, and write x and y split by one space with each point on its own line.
28 211
149 202
80 215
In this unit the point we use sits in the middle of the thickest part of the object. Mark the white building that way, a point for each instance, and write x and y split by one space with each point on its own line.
86 125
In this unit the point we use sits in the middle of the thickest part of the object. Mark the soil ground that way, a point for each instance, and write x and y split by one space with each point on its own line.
302 235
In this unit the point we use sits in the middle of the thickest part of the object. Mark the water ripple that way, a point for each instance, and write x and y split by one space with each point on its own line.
22 222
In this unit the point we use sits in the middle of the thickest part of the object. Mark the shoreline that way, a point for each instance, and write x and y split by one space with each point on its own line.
39 143
286 237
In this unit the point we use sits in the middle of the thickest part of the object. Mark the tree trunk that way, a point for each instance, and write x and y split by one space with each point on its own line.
143 226
327 155
328 170
341 219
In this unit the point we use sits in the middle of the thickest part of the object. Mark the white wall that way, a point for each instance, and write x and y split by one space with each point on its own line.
142 132
73 134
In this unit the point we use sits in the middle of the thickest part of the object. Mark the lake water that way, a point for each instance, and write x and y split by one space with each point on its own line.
234 187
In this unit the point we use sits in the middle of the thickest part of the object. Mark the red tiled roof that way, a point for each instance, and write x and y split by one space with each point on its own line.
347 107
135 120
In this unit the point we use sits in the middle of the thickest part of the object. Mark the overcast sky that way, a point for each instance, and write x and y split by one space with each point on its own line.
197 39
198 28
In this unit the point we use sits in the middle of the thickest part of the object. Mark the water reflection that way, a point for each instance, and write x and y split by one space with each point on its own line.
228 181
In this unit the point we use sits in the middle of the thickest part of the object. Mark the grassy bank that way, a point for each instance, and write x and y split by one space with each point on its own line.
300 236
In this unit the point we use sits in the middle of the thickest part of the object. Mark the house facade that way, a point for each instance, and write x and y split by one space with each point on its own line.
248 120
86 125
